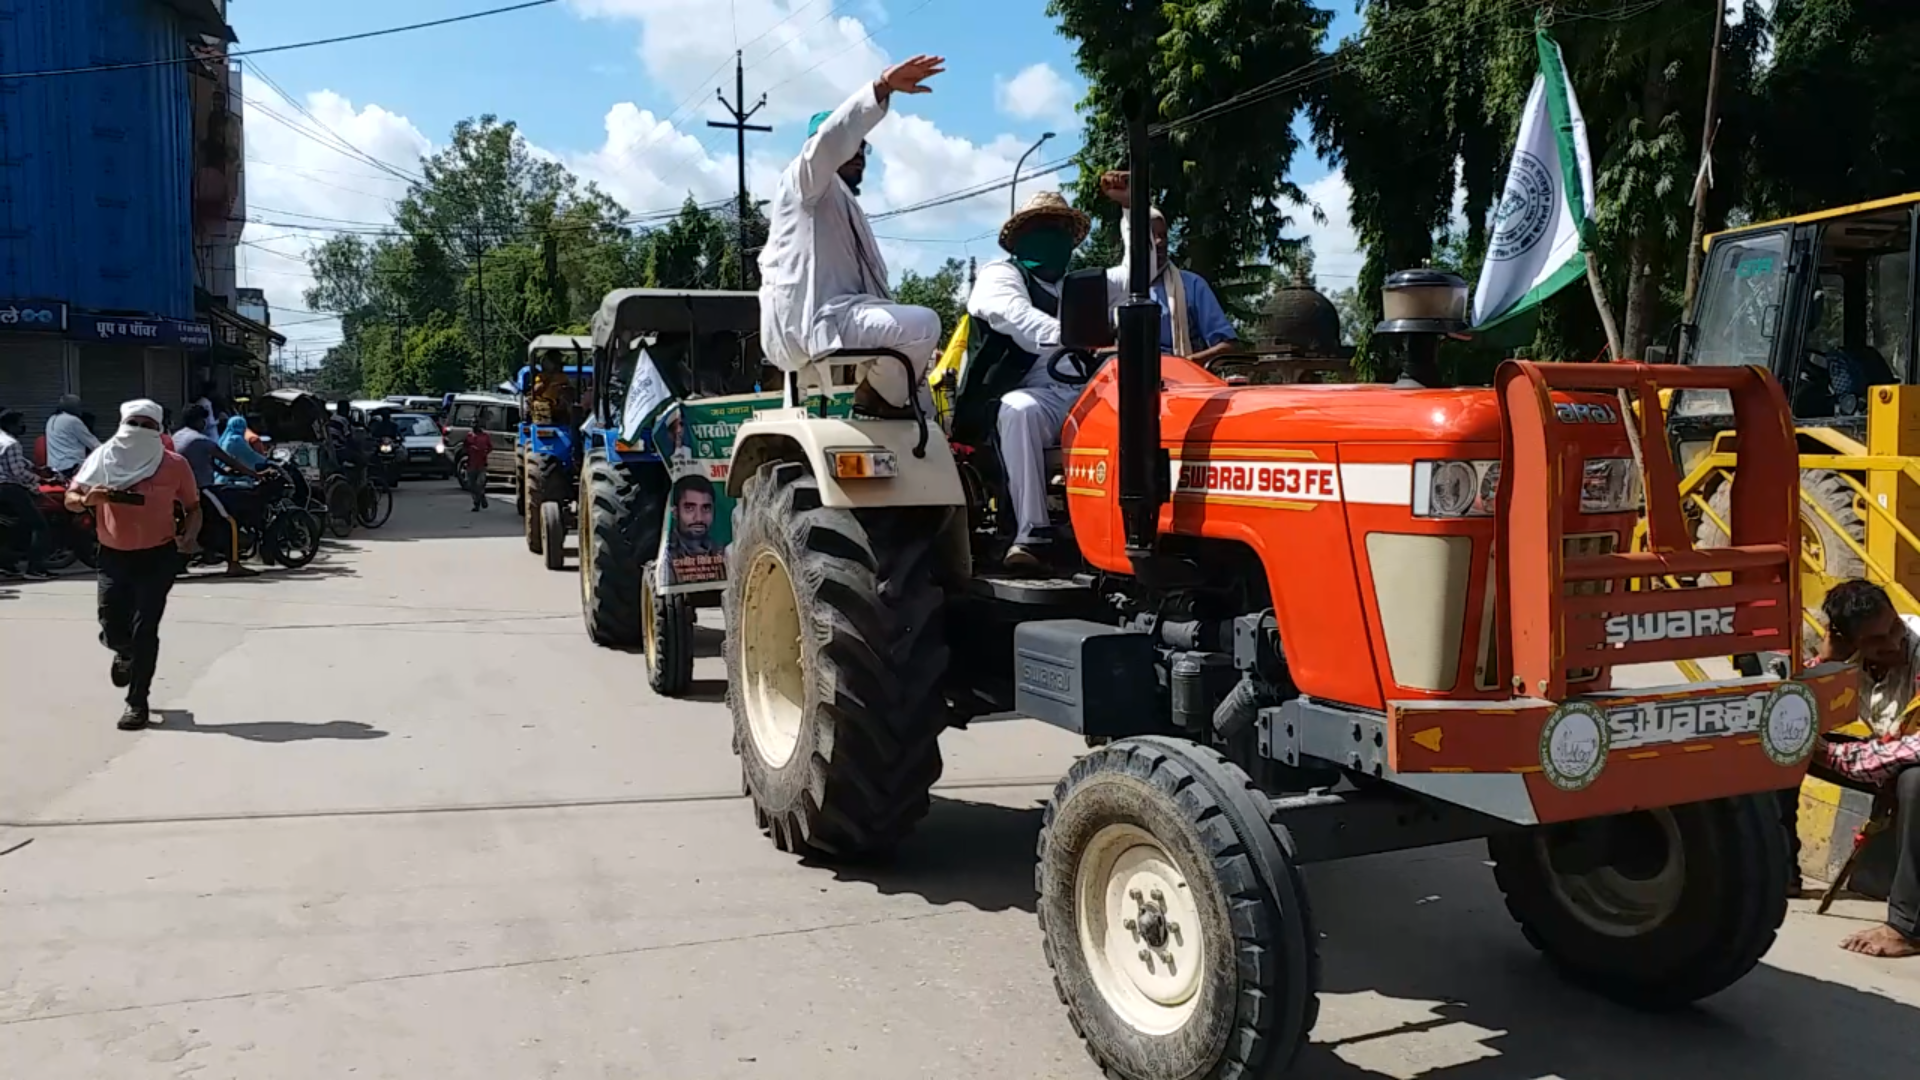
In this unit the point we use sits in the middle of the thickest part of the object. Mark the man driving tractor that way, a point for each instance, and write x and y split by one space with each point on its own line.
823 282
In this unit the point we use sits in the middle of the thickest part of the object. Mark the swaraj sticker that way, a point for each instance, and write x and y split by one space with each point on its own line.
1573 746
1305 481
1670 625
1792 724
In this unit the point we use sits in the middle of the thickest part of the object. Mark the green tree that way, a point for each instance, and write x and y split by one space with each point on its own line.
942 291
1222 182
1447 78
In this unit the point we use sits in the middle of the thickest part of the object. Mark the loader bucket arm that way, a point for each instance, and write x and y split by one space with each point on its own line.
1756 576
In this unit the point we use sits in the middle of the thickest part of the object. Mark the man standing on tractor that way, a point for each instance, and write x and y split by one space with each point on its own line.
1017 299
823 281
1192 322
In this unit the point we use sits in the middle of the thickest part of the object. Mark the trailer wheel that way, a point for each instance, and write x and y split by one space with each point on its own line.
620 515
1655 909
667 622
1173 917
835 651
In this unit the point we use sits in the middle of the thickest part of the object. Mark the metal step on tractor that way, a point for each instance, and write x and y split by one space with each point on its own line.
1297 623
548 444
674 375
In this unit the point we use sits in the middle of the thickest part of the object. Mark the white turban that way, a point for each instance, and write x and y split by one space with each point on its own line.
132 455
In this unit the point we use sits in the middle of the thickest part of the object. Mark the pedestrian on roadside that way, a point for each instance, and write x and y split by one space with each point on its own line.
68 439
132 484
19 490
477 445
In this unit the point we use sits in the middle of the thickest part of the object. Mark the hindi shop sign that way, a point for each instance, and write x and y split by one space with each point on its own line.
36 315
133 330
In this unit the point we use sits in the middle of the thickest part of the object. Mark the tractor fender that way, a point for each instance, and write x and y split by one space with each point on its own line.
798 435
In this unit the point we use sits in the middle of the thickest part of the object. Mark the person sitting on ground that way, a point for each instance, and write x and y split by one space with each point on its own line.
823 281
1865 628
19 495
1192 322
69 440
1005 387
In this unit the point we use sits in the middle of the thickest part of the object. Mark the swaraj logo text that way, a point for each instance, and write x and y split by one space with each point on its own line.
1576 412
1308 481
1685 721
1670 625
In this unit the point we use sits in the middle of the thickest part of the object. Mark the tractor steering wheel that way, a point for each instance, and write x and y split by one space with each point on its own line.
1071 367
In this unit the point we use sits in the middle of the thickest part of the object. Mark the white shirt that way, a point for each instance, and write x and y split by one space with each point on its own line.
1000 300
820 257
68 442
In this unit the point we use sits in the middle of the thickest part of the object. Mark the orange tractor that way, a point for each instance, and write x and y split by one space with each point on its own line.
1297 623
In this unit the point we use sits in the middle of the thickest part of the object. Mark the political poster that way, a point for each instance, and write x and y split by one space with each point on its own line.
695 440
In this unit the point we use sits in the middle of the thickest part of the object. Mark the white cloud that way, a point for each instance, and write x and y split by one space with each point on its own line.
1336 249
305 192
805 55
1037 93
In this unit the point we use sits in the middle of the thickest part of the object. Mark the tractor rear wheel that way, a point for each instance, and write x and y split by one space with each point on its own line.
1173 917
621 508
1820 545
835 653
543 483
667 622
1655 909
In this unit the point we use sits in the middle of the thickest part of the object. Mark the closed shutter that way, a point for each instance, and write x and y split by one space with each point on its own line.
32 377
167 379
109 376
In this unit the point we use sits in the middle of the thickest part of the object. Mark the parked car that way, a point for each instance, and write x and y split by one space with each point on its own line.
423 446
418 403
495 414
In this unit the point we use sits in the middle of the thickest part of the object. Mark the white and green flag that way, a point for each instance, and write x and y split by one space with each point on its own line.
1538 245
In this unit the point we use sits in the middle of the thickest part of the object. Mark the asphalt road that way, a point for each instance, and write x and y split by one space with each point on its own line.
403 820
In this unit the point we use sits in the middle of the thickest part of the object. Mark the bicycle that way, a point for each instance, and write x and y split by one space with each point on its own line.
373 503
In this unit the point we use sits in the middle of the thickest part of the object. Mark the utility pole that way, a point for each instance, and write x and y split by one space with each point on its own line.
1709 127
740 128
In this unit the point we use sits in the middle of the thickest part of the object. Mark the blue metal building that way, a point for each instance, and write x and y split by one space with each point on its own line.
97 168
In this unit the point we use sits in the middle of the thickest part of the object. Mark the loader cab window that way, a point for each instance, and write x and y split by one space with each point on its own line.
1738 312
1859 321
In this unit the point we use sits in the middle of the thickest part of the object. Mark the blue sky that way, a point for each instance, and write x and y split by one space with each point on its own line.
590 82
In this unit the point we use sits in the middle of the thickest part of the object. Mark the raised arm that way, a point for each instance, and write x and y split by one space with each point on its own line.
842 133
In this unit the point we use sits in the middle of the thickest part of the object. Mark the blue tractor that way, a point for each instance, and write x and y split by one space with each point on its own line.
697 345
548 447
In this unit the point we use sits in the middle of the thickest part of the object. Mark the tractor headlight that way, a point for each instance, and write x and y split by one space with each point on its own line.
1455 489
1610 486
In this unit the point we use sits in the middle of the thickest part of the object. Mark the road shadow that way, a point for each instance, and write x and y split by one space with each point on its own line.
1464 996
267 731
710 691
972 853
322 568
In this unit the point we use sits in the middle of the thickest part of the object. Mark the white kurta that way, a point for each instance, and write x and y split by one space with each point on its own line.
823 281
1031 416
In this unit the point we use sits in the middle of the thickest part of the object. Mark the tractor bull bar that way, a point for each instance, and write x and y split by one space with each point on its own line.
1543 756
1608 625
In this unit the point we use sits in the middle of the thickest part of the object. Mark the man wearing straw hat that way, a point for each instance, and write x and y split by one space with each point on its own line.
823 284
1005 389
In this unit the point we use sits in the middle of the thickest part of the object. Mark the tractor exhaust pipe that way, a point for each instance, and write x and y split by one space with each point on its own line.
1143 466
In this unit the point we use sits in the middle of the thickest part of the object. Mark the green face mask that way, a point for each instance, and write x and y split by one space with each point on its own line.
1046 252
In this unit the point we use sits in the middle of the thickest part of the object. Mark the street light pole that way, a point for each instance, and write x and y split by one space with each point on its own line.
1013 189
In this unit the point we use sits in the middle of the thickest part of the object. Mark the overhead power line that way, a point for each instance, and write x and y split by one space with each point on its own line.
133 65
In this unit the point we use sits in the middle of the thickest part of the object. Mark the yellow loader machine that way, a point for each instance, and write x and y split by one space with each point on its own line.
1826 302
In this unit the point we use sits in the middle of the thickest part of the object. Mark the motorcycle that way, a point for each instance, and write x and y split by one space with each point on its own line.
388 459
278 528
70 537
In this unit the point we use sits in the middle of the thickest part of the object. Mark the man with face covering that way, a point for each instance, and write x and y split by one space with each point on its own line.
823 284
1006 388
1192 323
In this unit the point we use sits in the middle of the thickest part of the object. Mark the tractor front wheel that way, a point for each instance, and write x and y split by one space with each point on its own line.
835 652
1655 909
542 482
553 535
668 624
1173 916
